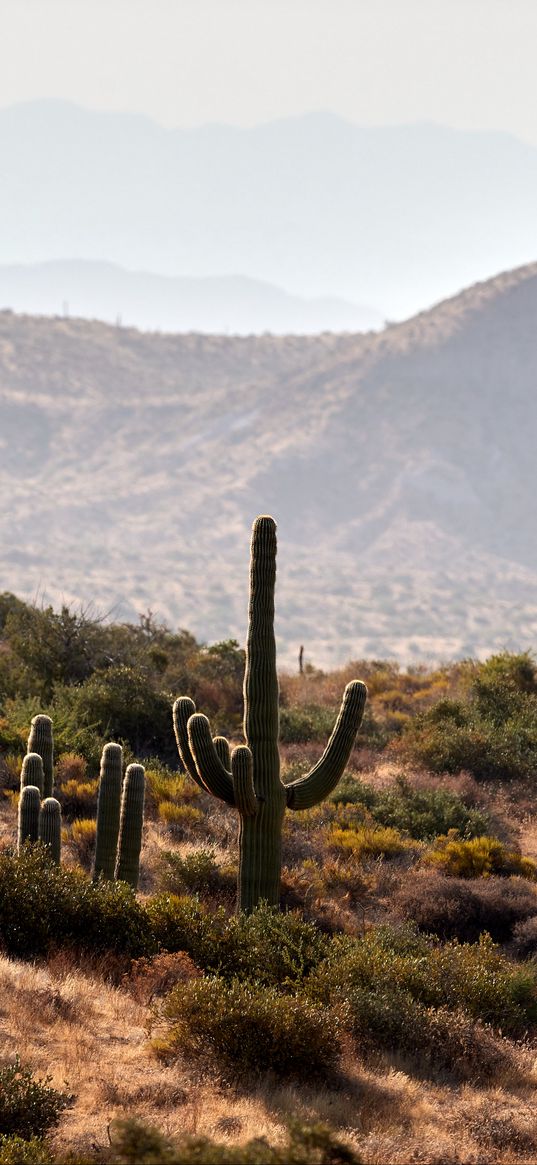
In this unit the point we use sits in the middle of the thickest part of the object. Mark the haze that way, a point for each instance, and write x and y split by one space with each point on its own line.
465 63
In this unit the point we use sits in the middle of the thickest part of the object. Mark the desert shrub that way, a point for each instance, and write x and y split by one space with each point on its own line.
476 978
525 938
28 1107
438 1040
306 722
477 857
351 790
421 813
16 1150
268 946
181 818
197 873
78 798
452 907
493 734
153 977
249 1029
43 906
133 1143
367 841
82 835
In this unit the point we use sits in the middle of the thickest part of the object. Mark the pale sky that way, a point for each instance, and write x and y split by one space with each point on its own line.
470 64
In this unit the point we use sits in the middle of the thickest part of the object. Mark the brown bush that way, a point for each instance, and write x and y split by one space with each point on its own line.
150 978
455 908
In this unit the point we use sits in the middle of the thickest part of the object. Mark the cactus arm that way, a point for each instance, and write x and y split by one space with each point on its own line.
320 781
183 709
224 752
242 769
211 771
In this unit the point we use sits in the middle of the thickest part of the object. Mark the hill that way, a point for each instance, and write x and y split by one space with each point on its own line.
399 467
104 291
397 217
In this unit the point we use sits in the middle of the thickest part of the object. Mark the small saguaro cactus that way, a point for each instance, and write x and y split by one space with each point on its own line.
50 827
29 806
108 811
131 825
40 740
32 771
249 777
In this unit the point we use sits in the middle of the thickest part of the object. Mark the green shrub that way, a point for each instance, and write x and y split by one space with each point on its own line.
422 813
476 978
43 906
493 734
133 1143
28 1107
18 1151
250 1029
437 1040
197 873
268 946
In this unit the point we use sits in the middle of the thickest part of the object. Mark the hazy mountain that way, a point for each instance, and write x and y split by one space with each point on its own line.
394 217
103 291
400 468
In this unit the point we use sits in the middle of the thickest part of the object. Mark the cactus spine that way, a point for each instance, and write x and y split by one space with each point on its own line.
50 827
130 826
108 811
29 806
249 779
40 740
32 771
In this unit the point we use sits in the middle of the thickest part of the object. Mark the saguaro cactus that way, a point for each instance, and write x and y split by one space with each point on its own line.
29 806
108 811
130 826
249 778
40 740
50 827
32 771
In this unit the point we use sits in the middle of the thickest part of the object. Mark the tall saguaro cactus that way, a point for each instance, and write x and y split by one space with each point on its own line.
108 810
40 740
249 777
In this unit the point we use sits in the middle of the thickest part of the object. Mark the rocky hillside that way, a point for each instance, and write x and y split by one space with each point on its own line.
399 467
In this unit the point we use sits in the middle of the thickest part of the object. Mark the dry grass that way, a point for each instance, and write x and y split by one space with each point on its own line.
92 1039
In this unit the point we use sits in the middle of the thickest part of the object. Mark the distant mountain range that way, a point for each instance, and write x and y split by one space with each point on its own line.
393 217
400 467
222 304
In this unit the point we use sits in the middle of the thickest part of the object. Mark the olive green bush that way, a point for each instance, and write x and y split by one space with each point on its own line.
422 813
134 1143
28 1107
250 1029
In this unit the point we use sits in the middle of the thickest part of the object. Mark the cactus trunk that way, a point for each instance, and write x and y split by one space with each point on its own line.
260 834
